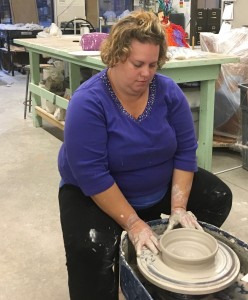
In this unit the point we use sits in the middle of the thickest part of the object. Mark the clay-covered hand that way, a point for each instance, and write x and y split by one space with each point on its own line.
141 235
186 218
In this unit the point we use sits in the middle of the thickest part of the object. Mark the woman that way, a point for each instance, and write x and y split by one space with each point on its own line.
129 154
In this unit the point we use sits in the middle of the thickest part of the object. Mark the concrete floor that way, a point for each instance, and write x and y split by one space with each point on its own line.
32 261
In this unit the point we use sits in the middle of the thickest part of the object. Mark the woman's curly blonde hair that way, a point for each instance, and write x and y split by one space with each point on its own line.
142 26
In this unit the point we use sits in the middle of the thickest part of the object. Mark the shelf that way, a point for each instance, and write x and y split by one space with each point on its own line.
13 50
49 117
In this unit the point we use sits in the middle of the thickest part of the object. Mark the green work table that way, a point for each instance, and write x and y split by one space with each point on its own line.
204 70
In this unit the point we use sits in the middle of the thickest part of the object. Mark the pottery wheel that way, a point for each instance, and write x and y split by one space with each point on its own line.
213 278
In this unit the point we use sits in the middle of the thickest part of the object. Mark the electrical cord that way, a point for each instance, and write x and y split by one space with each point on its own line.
91 27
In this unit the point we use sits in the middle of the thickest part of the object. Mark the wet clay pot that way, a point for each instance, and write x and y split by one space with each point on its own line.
188 249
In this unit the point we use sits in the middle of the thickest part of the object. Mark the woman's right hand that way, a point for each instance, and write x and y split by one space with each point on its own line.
141 235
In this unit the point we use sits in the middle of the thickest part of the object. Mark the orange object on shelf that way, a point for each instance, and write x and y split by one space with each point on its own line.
175 34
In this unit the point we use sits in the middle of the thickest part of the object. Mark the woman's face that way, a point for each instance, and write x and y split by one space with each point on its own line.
135 74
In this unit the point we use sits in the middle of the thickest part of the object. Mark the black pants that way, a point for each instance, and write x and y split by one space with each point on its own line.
92 238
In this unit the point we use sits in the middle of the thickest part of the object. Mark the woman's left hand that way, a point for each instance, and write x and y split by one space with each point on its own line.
186 218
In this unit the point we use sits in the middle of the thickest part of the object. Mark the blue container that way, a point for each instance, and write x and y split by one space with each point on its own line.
135 287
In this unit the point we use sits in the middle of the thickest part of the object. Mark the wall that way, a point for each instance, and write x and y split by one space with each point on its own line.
92 12
66 10
240 13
